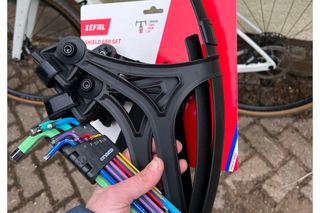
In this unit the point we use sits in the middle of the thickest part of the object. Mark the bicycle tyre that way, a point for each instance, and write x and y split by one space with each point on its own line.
291 111
70 11
294 30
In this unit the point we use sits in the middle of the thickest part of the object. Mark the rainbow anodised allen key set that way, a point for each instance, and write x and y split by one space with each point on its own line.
94 155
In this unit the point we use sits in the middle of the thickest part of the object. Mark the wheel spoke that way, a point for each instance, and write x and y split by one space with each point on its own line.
53 20
273 4
50 19
254 18
287 16
299 18
39 17
241 26
50 34
262 14
306 28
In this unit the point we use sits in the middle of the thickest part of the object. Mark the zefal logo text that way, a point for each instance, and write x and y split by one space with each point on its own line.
95 27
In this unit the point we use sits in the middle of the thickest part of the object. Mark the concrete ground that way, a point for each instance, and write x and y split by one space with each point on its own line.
275 168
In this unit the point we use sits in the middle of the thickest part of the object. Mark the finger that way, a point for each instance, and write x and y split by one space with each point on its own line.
182 162
178 143
154 148
98 189
126 154
179 146
183 165
141 183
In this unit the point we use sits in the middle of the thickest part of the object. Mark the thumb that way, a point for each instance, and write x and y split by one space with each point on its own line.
141 183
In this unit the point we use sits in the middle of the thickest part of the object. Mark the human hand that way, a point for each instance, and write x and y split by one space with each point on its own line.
118 198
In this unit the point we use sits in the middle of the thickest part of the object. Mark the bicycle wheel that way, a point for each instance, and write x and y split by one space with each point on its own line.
283 29
55 20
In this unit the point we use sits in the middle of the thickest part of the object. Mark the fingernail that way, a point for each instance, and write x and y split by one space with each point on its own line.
155 164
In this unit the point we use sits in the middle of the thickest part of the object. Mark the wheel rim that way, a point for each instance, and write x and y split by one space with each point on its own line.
52 25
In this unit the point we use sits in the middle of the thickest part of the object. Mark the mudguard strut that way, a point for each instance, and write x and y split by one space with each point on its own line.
95 84
210 44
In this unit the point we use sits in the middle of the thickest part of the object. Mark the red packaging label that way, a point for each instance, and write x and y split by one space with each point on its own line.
95 27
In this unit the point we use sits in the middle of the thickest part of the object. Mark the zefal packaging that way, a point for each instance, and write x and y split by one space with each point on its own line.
154 31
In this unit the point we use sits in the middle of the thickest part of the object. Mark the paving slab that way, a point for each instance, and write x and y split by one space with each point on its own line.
58 181
265 144
298 146
10 116
284 180
40 204
267 153
28 116
304 126
245 121
29 181
276 125
86 189
14 133
13 198
247 176
245 150
293 202
307 190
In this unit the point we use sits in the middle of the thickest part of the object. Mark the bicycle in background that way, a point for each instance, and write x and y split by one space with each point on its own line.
274 50
274 56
